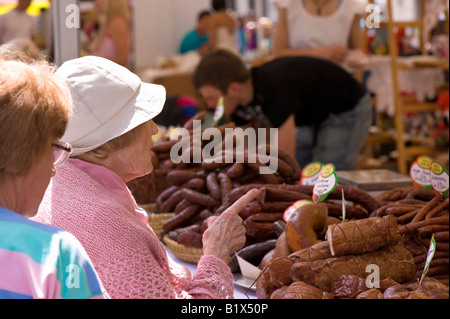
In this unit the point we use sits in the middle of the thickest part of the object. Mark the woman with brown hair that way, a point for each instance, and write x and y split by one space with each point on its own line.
37 261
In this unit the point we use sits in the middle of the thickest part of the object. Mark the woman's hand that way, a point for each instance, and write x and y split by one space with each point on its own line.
226 233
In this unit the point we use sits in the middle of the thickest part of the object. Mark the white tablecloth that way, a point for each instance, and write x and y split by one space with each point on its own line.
421 83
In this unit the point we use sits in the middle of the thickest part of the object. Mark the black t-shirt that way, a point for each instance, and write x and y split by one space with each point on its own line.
310 88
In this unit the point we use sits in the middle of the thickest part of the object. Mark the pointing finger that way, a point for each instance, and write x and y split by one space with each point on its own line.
241 203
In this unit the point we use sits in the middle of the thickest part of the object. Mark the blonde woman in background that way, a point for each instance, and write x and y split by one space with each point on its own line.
114 36
223 28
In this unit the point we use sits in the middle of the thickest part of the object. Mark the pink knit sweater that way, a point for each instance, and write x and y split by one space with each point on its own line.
94 204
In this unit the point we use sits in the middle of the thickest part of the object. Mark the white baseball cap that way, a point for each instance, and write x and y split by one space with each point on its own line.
108 101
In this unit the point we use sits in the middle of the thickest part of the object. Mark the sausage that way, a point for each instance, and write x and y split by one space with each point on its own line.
443 207
426 209
197 184
199 198
190 239
423 194
279 227
252 253
225 188
213 186
181 206
282 248
278 207
355 195
351 211
306 226
236 171
170 204
180 219
394 194
250 209
180 177
295 170
277 194
174 233
443 220
260 225
267 178
165 195
237 193
429 230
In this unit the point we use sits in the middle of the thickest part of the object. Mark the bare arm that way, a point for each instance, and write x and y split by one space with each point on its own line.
356 40
212 33
287 137
120 32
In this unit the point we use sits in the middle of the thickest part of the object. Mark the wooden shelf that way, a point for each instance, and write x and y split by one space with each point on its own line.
417 107
427 62
403 24
418 146
420 150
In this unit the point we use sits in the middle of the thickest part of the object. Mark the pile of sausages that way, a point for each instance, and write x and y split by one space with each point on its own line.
196 194
312 262
420 214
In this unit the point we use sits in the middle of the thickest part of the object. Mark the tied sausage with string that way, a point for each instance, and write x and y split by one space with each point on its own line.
394 262
362 236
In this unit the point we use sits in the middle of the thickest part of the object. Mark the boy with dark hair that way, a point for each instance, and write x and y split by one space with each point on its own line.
322 113
197 39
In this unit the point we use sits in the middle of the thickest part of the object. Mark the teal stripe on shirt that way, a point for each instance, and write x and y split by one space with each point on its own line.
22 235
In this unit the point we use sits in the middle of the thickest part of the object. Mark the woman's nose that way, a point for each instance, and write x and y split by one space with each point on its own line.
155 128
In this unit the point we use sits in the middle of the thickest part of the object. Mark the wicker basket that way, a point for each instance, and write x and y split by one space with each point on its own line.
156 222
147 189
184 253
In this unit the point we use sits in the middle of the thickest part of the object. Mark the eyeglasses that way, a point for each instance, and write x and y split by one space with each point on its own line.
62 152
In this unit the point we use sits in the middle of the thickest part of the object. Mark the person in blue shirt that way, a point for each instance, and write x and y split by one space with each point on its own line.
197 39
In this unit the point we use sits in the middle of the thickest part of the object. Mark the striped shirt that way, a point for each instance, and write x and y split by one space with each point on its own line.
43 262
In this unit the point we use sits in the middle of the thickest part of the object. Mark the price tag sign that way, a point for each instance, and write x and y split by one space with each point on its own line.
439 179
220 111
430 257
213 119
311 173
325 184
291 209
420 172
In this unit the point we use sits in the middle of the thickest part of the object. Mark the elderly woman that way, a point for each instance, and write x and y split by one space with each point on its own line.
111 132
37 261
